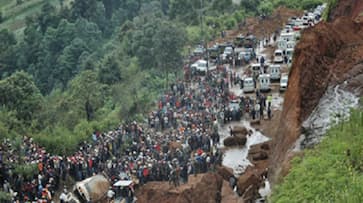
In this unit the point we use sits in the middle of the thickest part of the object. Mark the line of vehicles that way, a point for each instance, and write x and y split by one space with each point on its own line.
265 73
242 51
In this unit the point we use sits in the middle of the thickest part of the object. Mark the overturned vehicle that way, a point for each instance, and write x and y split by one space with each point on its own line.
92 189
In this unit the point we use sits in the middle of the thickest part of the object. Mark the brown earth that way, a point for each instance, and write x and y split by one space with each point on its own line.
349 8
201 188
328 54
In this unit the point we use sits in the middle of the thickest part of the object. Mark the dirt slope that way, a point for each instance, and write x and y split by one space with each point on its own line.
328 54
348 8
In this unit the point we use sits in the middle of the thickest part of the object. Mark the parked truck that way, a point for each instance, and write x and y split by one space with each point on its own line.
93 189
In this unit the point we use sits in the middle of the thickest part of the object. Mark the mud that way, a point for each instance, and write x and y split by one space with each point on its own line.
200 188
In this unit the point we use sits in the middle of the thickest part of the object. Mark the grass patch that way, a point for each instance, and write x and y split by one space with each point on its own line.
332 172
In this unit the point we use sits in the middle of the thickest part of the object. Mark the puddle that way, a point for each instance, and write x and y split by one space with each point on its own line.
333 107
236 158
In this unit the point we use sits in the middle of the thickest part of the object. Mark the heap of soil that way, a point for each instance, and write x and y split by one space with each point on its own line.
239 137
201 188
328 54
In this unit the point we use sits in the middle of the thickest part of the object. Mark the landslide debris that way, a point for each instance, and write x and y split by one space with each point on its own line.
328 54
201 188
349 8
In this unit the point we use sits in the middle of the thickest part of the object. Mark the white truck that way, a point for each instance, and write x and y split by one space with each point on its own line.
264 80
278 56
275 71
248 85
200 66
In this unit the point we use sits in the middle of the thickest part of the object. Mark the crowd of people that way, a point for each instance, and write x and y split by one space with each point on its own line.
179 138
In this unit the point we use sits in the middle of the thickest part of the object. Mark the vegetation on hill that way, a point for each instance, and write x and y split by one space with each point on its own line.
332 172
82 66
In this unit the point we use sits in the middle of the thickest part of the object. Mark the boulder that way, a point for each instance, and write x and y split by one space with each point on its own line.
262 155
225 172
235 141
247 180
239 130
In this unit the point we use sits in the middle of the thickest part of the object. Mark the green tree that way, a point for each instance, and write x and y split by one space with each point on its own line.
109 71
18 93
169 41
87 93
68 63
47 17
184 11
7 52
83 9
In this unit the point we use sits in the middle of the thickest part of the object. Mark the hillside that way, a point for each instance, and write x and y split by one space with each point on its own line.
329 55
126 89
331 172
14 14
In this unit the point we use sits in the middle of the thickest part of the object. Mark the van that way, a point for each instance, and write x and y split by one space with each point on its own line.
275 72
248 85
283 82
256 69
278 56
264 80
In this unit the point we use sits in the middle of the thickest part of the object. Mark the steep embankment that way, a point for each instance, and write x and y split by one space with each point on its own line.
348 8
327 55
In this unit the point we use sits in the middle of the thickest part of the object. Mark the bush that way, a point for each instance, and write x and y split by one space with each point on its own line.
26 170
62 141
332 172
5 197
230 23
